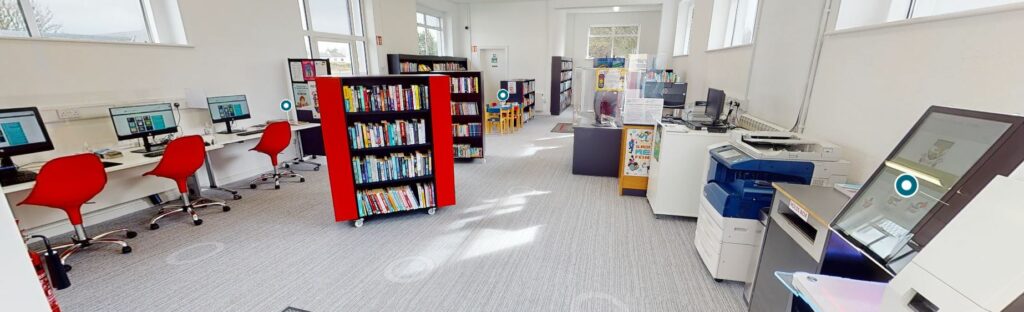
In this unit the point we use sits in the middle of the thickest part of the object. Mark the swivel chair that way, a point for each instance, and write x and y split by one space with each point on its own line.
67 183
181 159
276 138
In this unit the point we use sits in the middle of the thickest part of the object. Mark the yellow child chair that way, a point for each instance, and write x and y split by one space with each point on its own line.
507 118
492 118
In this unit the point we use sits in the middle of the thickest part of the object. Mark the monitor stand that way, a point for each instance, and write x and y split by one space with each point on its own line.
9 173
229 131
149 147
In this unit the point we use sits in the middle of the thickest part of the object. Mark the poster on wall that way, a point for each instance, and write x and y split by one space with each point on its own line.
308 70
320 68
295 67
637 156
313 99
302 96
610 79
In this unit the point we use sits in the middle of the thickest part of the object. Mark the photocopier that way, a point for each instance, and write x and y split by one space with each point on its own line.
739 180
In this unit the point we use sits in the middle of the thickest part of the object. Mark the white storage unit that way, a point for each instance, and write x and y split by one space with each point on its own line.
725 245
677 171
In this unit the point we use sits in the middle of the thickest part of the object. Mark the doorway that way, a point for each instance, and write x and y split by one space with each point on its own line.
494 68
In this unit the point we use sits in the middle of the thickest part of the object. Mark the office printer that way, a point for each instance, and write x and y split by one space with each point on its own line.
739 184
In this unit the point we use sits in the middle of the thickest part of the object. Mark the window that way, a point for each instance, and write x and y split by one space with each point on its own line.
96 20
334 31
613 41
684 22
870 12
431 34
732 23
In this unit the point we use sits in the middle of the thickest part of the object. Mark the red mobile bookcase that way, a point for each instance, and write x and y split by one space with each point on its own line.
336 121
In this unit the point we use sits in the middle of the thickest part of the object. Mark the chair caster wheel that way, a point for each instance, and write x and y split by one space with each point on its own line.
277 187
263 179
358 223
317 168
126 249
431 211
197 222
237 197
131 234
252 186
287 166
226 208
302 180
67 268
154 226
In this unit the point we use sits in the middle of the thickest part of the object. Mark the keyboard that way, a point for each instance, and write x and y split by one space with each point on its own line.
18 178
154 154
248 133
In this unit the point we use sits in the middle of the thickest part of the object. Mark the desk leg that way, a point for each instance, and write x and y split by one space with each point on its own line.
213 179
301 160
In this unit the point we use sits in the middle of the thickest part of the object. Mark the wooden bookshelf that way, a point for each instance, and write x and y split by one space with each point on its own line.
523 91
432 64
419 124
467 109
561 84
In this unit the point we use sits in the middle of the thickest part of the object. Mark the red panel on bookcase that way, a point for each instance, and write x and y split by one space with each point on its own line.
335 132
444 156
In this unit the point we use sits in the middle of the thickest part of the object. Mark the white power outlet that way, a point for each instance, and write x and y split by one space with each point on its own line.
69 113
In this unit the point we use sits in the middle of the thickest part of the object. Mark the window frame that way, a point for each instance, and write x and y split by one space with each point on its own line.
909 18
34 33
441 19
356 21
612 36
731 23
686 37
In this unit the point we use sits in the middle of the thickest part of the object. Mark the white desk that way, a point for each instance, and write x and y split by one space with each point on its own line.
677 171
124 184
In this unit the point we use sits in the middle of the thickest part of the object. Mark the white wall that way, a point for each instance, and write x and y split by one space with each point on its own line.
650 23
395 22
725 69
872 85
522 26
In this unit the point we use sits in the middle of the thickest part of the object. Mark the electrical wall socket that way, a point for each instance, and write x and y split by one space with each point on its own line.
69 113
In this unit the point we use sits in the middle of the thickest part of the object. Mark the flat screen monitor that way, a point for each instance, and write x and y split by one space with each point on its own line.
21 132
228 108
143 121
675 95
715 103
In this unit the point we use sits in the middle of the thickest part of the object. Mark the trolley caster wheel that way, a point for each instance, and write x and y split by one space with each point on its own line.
67 268
358 223
237 197
126 249
302 180
431 211
226 208
252 186
154 226
197 221
277 187
131 234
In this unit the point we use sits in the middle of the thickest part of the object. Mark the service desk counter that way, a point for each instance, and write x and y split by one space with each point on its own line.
595 150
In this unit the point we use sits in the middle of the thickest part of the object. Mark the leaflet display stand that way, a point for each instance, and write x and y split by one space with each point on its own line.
302 73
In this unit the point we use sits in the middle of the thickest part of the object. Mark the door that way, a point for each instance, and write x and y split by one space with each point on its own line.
494 68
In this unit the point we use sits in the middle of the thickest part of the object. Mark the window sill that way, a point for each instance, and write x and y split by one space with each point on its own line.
62 40
929 19
681 55
729 48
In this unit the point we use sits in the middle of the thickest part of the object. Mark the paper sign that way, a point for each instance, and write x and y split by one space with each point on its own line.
641 111
639 147
798 210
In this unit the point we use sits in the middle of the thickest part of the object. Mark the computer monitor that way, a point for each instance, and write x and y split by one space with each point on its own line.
227 109
715 105
21 132
143 121
675 95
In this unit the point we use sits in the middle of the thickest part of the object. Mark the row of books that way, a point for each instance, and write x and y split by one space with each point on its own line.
370 169
467 130
565 97
409 67
524 87
465 108
465 85
382 98
566 75
396 198
449 66
387 133
566 64
467 151
565 85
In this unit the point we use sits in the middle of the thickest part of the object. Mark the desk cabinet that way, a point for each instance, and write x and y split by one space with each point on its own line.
677 172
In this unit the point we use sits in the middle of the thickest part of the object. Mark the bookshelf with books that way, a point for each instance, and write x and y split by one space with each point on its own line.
418 64
522 91
467 114
561 84
389 144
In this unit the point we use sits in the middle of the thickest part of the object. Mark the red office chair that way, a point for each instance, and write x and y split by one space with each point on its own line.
276 137
181 159
67 183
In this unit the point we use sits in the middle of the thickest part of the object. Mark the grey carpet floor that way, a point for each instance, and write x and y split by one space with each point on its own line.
526 235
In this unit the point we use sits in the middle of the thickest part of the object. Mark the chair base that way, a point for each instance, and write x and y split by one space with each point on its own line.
315 166
187 207
78 244
276 177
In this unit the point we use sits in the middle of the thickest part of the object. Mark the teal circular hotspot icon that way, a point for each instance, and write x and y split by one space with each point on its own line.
286 105
502 95
906 185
